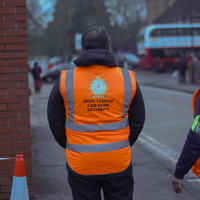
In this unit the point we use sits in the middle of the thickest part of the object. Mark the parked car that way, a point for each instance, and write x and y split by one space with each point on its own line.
127 60
133 60
54 61
55 71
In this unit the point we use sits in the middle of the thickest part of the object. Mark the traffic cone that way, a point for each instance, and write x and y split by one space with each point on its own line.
19 184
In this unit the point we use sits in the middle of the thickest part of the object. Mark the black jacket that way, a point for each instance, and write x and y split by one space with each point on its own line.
36 71
191 149
56 109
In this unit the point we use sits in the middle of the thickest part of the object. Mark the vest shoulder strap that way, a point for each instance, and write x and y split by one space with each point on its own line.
194 98
196 167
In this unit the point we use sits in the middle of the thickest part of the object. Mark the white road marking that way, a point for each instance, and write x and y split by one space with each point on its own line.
157 148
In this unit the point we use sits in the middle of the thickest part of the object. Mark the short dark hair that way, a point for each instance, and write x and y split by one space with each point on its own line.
95 37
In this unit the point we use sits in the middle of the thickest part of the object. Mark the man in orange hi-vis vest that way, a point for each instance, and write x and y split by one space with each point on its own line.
96 112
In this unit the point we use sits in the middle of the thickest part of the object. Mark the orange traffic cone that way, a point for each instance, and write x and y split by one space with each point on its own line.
19 184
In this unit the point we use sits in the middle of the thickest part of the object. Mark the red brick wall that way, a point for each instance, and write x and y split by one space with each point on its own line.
15 137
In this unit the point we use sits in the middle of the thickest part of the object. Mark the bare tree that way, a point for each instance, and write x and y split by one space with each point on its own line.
126 12
34 14
35 25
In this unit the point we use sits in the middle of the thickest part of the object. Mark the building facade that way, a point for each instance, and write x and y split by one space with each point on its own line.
156 7
181 11
15 137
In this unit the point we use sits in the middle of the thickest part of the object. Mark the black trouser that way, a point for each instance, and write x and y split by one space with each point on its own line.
118 187
181 76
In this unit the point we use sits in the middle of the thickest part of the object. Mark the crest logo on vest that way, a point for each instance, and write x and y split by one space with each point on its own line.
98 87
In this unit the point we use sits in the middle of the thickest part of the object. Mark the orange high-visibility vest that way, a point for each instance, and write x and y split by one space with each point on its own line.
97 99
196 167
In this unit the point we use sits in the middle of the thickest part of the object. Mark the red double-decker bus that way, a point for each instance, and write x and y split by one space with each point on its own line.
159 46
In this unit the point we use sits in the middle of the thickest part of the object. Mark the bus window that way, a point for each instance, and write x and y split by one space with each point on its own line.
157 53
171 53
171 32
186 52
164 32
181 52
183 31
156 32
196 31
180 32
186 31
196 52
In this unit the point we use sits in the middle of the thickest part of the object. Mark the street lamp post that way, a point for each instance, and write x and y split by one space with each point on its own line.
192 50
192 46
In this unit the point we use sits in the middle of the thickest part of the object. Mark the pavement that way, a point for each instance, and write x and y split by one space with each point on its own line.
166 81
152 178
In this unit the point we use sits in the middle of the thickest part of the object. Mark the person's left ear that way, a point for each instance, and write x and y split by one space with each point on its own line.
109 48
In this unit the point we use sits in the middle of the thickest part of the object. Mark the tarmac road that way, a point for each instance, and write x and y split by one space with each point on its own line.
152 178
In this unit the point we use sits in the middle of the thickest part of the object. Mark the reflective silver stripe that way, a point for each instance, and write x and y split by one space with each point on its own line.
80 148
103 127
69 87
60 82
127 90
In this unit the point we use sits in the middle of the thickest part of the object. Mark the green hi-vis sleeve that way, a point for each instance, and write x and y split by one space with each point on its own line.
196 124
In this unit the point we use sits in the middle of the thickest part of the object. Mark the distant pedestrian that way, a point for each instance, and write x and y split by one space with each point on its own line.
182 66
36 72
96 112
189 158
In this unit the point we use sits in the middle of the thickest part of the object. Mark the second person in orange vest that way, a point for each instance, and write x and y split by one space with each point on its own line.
190 154
96 112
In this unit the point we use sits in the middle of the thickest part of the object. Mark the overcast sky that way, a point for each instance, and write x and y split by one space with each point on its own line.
48 6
